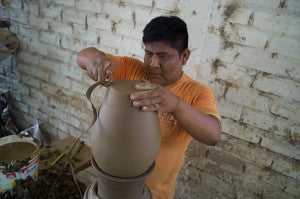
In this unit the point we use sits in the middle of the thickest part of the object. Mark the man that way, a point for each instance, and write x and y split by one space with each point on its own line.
186 108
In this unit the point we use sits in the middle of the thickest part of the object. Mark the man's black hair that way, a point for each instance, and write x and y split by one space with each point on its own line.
170 29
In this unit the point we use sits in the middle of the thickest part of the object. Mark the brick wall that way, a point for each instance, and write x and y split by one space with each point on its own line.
246 51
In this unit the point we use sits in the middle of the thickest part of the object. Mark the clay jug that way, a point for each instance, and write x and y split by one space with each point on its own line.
124 139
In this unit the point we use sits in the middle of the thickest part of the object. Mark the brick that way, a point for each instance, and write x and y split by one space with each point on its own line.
58 53
265 121
49 88
145 15
16 4
248 97
72 71
75 44
59 27
33 71
38 47
51 11
118 11
39 95
236 75
31 101
18 15
53 66
28 58
281 147
21 106
31 81
92 5
49 38
99 22
288 89
269 21
31 8
264 62
287 166
226 159
75 16
60 80
70 3
285 108
230 110
235 129
80 33
38 22
285 46
79 87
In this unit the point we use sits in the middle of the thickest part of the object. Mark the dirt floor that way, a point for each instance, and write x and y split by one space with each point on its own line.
54 182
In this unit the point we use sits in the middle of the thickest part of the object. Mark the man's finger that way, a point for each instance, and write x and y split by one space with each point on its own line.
153 107
144 95
146 102
146 86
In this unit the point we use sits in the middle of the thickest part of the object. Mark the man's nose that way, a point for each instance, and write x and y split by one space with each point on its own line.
154 61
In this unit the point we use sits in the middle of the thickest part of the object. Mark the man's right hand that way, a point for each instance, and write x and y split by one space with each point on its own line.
97 65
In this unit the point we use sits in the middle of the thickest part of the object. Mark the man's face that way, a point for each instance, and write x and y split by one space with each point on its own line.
163 63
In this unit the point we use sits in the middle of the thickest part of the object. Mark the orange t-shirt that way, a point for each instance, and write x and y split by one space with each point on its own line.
174 139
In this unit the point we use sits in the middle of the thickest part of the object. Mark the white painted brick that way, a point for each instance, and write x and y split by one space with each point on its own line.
117 11
141 2
72 43
268 122
236 75
16 4
33 71
72 71
49 38
109 39
288 88
31 81
28 32
217 88
243 16
49 88
287 167
63 28
130 45
248 97
31 8
277 23
37 113
285 46
60 80
38 47
21 106
99 22
88 35
233 128
285 108
70 3
92 5
73 15
50 65
51 11
58 53
31 101
38 95
28 58
279 146
79 87
230 110
263 61
37 22
18 15
144 16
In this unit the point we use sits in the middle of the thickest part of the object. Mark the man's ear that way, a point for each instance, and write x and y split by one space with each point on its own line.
185 56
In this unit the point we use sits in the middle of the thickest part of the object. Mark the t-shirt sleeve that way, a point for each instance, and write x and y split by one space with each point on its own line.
127 68
205 102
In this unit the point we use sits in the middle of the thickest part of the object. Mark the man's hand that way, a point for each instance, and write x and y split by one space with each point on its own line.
97 65
154 97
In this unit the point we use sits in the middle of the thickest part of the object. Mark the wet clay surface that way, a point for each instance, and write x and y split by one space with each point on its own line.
54 182
16 151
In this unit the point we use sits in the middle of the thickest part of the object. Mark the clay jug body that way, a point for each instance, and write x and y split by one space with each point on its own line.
124 139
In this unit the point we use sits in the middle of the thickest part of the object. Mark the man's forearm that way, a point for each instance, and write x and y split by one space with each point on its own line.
202 127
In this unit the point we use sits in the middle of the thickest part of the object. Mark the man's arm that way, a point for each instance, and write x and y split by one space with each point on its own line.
95 63
202 127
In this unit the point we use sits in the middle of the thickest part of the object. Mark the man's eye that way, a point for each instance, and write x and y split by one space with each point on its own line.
162 56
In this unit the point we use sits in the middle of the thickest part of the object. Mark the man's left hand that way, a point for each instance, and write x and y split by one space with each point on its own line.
154 97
